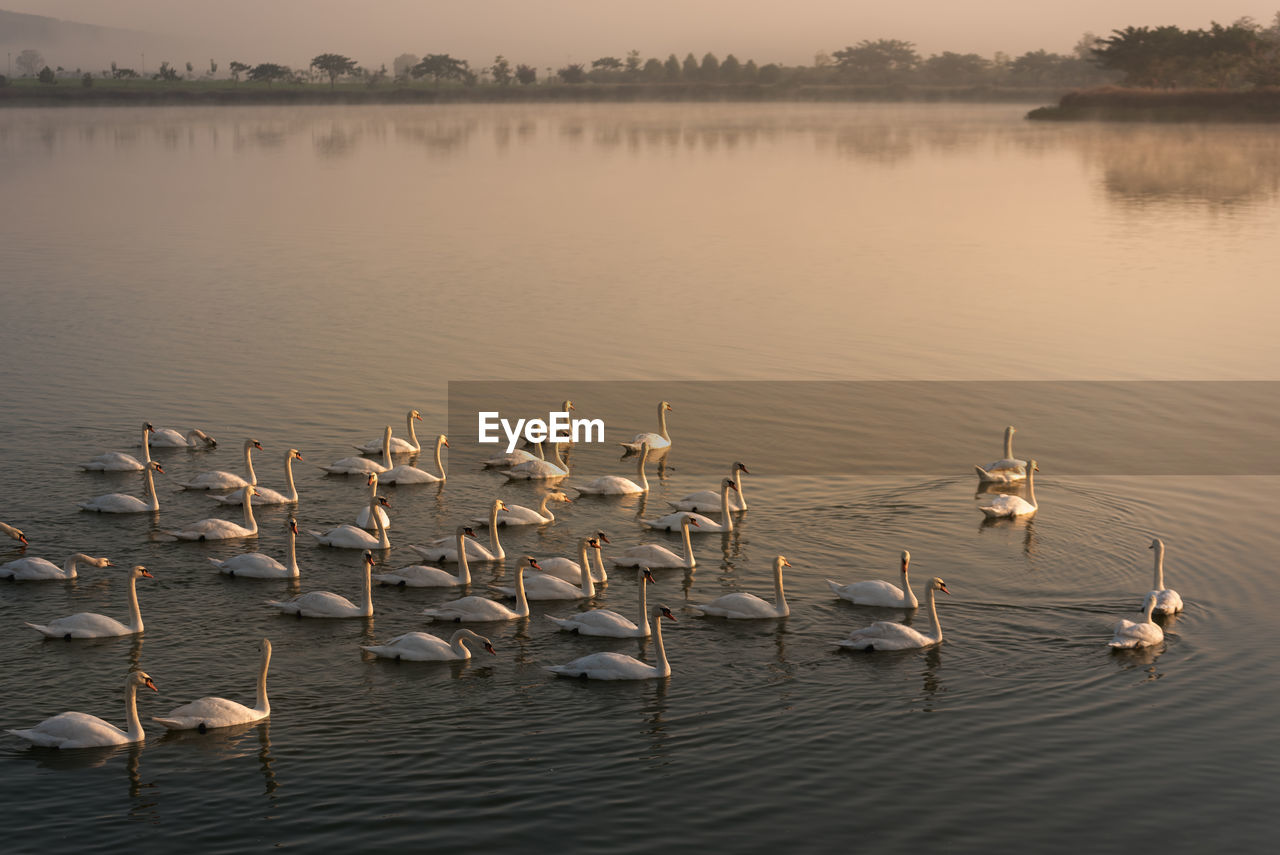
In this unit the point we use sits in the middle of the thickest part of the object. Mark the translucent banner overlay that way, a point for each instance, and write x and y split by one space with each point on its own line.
919 427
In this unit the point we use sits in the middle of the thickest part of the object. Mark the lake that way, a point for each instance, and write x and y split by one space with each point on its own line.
853 300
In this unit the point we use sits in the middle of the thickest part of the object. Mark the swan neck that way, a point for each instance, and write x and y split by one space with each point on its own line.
146 447
688 543
439 462
542 508
1031 485
495 542
249 522
386 447
559 461
600 571
726 518
263 706
588 584
136 733
1008 444
248 464
779 596
664 667
662 422
151 488
644 456
384 542
367 590
292 566
413 435
288 477
135 613
642 619
522 601
1159 568
69 566
464 569
933 614
737 482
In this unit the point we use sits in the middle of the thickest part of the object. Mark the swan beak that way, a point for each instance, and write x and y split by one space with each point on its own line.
666 613
692 521
470 533
648 576
489 647
786 563
417 417
22 538
571 406
257 445
145 573
943 589
733 486
534 564
446 443
150 684
744 469
297 455
108 564
600 535
382 500
293 526
159 468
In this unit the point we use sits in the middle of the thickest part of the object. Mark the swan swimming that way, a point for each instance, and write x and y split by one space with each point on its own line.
212 713
222 480
81 730
90 625
655 441
887 635
618 666
879 593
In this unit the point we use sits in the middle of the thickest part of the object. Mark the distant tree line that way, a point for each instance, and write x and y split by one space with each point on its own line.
1243 54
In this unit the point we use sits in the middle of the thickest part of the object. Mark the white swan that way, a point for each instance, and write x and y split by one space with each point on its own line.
672 522
655 556
446 548
122 503
170 438
661 439
364 519
265 495
211 713
221 480
81 730
323 604
351 537
520 515
1168 601
1007 469
539 470
483 610
405 474
425 647
887 635
216 529
708 501
514 458
422 576
879 593
1145 633
996 505
258 565
117 461
571 571
618 666
610 623
90 625
398 445
15 533
363 465
40 569
545 587
615 485
744 606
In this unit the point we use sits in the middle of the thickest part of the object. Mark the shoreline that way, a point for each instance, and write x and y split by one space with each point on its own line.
1118 104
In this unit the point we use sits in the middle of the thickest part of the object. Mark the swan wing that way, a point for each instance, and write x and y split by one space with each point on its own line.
116 503
1168 601
32 570
73 730
83 625
886 635
543 587
476 609
610 485
317 604
252 565
209 713
598 622
419 576
414 645
605 666
648 555
739 605
876 593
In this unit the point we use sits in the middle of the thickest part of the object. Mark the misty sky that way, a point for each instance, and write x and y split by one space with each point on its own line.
553 32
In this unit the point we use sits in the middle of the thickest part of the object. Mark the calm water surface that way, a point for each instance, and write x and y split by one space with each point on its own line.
305 276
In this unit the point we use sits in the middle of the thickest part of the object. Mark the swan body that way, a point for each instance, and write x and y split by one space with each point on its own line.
997 505
656 556
520 515
81 730
220 480
122 503
887 635
406 474
323 604
352 537
879 593
545 587
539 470
422 576
514 458
708 501
571 571
398 445
216 529
267 496
617 666
610 623
1145 633
1168 601
1006 470
363 465
655 441
117 461
425 647
744 606
212 713
40 569
15 533
614 485
90 625
258 565
170 438
671 522
447 548
482 609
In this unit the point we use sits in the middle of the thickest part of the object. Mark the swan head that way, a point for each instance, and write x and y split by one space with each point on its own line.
662 612
252 443
139 571
442 440
728 482
1033 466
499 505
415 415
561 497
293 526
293 454
140 678
368 559
600 536
531 563
148 427
906 559
209 441
469 532
16 534
382 500
264 647
373 480
648 575
1157 544
687 521
741 467
937 584
1010 430
488 646
567 406
666 406
250 490
781 562
155 467
101 562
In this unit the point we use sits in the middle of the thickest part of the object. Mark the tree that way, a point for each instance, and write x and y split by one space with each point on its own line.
333 64
574 72
237 69
441 66
710 68
191 70
730 69
606 63
950 67
213 68
269 72
671 68
501 70
29 62
403 64
123 73
749 71
881 61
166 72
377 77
46 75
652 70
86 80
526 75
689 68
632 63
770 73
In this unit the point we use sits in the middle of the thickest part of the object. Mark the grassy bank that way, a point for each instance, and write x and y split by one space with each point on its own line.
30 93
1116 103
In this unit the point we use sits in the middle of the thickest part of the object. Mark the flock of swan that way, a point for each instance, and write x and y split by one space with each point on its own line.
559 579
